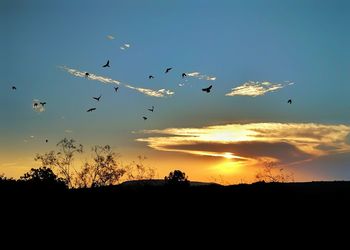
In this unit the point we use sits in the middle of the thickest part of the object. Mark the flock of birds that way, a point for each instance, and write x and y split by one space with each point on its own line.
167 70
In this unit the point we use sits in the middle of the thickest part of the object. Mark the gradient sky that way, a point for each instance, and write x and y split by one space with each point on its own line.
299 49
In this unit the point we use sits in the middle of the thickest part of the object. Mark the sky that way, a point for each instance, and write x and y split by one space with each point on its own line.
256 54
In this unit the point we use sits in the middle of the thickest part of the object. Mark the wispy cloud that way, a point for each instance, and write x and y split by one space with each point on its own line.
110 37
106 80
151 92
91 76
284 142
9 164
252 88
201 76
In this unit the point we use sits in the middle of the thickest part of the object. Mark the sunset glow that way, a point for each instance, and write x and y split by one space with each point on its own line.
217 89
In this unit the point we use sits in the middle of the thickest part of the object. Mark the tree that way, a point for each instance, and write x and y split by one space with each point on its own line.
271 173
138 170
62 160
177 178
44 177
103 171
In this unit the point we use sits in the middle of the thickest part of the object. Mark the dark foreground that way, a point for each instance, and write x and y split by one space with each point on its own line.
150 194
147 206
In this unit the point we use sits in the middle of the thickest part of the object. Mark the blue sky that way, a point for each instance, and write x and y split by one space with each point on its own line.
305 42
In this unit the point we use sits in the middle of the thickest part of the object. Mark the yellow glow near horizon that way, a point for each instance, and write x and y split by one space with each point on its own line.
228 167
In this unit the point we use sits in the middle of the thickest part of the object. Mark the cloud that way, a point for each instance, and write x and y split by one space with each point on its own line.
38 106
106 80
151 92
245 150
91 76
252 88
68 131
110 37
288 143
200 76
125 46
9 164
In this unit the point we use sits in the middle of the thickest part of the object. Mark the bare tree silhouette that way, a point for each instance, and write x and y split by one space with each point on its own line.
103 171
62 160
138 170
272 173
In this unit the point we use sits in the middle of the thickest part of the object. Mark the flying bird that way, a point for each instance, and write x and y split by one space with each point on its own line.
183 75
97 98
87 74
90 110
207 89
14 88
46 140
35 104
167 70
42 103
152 109
289 101
116 89
144 117
150 77
106 65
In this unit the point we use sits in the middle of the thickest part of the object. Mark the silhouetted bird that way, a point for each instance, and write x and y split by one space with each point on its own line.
144 117
42 103
87 74
14 88
290 101
152 109
97 98
168 69
183 75
35 104
46 140
116 89
90 110
106 65
150 77
207 89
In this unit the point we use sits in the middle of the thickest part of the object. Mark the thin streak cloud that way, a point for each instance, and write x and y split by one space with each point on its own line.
200 76
106 80
151 92
254 89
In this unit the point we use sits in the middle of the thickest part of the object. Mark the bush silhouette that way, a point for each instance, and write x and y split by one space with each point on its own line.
43 177
177 178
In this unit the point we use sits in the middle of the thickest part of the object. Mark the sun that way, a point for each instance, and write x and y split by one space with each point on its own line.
228 167
228 155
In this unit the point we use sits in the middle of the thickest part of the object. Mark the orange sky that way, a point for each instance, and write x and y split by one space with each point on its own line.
230 153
